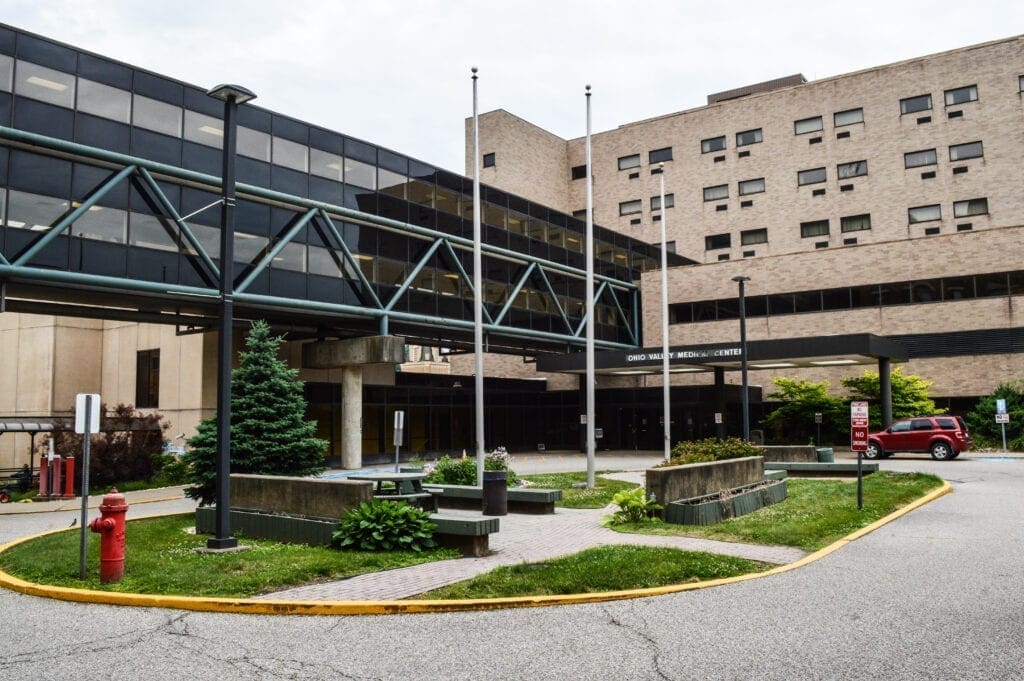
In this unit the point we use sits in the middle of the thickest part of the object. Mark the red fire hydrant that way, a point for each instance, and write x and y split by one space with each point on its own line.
110 526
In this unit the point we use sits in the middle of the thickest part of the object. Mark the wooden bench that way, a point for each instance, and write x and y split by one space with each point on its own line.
819 470
520 499
427 499
466 533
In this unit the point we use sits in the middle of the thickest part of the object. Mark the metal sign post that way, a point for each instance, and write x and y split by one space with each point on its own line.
1002 418
399 427
87 422
859 442
817 422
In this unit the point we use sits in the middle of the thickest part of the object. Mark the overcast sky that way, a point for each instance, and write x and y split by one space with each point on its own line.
397 72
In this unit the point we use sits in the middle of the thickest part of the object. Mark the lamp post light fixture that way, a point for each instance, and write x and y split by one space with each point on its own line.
232 96
666 389
741 280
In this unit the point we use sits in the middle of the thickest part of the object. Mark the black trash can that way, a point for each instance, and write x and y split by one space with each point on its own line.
495 493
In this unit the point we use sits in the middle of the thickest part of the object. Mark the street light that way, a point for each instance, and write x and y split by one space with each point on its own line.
665 387
232 96
740 279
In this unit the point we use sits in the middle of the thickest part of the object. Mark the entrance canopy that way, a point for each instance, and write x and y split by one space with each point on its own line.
784 353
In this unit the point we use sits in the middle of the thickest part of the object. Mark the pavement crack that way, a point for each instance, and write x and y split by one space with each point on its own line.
641 633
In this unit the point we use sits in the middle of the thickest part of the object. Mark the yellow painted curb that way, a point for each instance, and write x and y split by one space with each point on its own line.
254 606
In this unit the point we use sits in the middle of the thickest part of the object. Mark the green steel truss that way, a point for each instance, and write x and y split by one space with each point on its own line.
444 247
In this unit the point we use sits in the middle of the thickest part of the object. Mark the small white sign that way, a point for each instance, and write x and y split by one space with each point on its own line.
817 417
1002 418
718 417
583 419
94 413
399 426
1000 406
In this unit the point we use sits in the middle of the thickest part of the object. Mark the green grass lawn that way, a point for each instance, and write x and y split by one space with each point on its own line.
817 512
599 497
161 560
603 568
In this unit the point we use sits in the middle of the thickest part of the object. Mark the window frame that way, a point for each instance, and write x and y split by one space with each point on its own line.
929 207
651 155
147 378
670 201
625 206
488 160
980 154
757 132
971 90
967 203
934 156
760 231
710 239
716 198
805 229
800 173
905 102
707 148
626 162
798 131
837 124
856 166
846 221
741 192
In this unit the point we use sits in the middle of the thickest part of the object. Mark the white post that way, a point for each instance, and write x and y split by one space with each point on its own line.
478 310
590 307
665 391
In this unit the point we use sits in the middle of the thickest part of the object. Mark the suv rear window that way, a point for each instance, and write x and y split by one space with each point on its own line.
946 424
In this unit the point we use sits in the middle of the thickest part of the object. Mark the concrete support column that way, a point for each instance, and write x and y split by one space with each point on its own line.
885 390
351 355
720 401
351 417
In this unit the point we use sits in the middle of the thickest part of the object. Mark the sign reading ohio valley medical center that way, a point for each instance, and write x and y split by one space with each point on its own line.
684 355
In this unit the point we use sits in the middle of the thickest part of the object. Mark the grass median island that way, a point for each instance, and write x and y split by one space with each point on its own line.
816 513
603 568
161 560
573 497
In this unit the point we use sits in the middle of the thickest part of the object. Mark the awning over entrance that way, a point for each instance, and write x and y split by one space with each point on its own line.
783 353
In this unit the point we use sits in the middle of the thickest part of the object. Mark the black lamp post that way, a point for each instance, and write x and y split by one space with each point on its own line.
232 96
739 279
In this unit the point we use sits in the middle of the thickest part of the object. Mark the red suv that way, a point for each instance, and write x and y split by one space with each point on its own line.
944 437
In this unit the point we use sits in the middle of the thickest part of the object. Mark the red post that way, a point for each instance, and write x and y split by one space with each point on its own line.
44 477
111 528
55 470
69 477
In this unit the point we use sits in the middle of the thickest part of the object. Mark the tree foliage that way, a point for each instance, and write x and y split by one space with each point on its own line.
981 420
800 400
909 395
269 431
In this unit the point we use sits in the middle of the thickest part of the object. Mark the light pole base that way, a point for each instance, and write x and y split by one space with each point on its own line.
221 543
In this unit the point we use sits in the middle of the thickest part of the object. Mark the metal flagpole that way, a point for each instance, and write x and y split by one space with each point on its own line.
478 314
665 391
590 307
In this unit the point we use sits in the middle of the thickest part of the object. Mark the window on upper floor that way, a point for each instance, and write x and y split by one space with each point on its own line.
712 144
751 186
813 228
812 176
748 137
924 213
660 155
6 73
963 209
627 162
961 152
204 129
670 201
290 154
848 117
806 125
717 241
914 104
104 101
156 116
579 172
749 237
855 169
46 85
916 159
489 160
962 95
630 207
855 223
716 193
1020 83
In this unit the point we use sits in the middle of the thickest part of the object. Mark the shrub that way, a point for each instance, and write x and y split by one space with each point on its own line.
383 525
634 506
449 471
711 449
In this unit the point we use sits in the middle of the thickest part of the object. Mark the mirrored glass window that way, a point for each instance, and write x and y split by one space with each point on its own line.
33 211
6 72
46 85
291 257
325 164
249 248
208 238
360 174
291 154
391 183
156 116
254 144
102 224
204 129
104 101
148 231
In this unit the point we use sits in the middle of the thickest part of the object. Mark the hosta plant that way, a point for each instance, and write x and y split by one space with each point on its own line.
384 525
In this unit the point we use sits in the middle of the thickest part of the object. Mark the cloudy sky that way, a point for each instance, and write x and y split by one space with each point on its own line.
397 72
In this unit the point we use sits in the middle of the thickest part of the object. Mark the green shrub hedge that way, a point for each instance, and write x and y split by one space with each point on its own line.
711 449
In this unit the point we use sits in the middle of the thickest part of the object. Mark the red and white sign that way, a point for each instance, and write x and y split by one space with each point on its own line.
859 426
1002 418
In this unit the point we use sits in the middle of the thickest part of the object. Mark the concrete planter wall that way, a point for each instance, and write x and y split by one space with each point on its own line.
790 453
702 479
713 509
308 497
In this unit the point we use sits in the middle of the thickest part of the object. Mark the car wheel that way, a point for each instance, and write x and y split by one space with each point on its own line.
955 454
873 451
941 451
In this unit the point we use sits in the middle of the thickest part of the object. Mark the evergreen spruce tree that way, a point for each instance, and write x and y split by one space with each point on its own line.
269 431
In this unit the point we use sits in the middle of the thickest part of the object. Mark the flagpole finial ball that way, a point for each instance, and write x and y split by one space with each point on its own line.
473 69
588 88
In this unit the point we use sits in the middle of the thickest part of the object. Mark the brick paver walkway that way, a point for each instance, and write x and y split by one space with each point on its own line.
522 538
